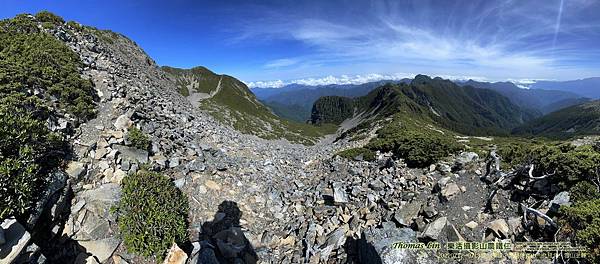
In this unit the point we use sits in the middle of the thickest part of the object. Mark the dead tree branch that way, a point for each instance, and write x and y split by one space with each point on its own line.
538 214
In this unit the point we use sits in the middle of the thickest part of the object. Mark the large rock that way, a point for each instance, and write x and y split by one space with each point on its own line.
449 191
435 229
407 213
336 238
498 228
175 255
561 199
132 154
376 246
465 158
48 198
102 248
90 217
339 193
16 240
75 169
123 122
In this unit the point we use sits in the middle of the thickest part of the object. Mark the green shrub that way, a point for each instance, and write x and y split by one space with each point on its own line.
571 164
583 218
19 24
353 153
75 25
36 71
138 139
183 91
152 214
575 168
45 16
584 191
28 151
417 149
31 60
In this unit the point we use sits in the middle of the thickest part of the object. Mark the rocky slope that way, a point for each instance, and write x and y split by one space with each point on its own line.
251 200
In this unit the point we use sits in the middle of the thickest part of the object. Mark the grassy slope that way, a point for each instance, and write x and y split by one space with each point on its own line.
290 112
235 105
583 119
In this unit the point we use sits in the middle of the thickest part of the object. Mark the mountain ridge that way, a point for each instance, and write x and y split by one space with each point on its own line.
457 108
295 101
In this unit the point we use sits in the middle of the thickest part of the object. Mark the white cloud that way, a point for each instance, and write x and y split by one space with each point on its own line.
342 79
267 84
351 79
281 63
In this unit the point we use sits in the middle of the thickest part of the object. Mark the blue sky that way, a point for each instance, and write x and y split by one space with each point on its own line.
349 40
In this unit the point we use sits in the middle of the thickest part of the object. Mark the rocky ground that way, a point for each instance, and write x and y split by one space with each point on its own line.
251 200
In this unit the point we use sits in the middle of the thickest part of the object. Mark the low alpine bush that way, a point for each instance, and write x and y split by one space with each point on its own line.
28 151
355 153
138 139
152 214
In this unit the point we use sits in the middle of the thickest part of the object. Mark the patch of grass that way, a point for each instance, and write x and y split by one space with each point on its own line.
152 214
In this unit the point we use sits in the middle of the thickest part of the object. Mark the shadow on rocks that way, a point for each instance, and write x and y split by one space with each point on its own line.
222 240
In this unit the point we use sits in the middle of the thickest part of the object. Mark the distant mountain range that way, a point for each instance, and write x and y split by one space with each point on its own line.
295 101
491 109
589 87
543 101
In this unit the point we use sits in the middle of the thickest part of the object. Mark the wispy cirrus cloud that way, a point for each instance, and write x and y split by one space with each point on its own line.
280 63
495 39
